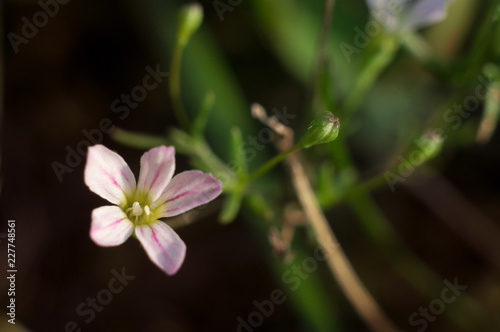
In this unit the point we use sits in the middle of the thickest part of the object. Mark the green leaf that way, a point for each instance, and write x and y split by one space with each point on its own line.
231 206
138 140
237 154
206 107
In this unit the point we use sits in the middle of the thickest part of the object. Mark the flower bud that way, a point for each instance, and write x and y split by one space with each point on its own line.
190 18
323 129
430 143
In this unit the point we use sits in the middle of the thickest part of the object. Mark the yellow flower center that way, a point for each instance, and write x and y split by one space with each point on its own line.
139 214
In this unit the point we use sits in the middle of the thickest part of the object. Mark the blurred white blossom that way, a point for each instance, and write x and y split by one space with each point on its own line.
397 15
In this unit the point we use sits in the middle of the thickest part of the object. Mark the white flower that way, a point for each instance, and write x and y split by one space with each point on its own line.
138 207
398 15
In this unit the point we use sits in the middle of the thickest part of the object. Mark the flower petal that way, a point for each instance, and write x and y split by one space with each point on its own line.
110 226
388 12
186 191
157 169
108 175
163 246
376 4
426 12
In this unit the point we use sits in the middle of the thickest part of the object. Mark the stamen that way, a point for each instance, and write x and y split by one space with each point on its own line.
147 210
136 209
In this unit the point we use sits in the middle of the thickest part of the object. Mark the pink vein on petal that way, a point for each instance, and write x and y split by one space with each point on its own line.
111 193
155 240
109 225
156 178
160 246
113 181
122 231
179 196
175 209
124 174
187 192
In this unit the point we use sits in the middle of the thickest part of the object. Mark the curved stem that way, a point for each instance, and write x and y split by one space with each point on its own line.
340 266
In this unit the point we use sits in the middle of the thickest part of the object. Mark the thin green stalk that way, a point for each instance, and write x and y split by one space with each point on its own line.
270 164
138 140
175 87
206 107
321 53
371 184
480 43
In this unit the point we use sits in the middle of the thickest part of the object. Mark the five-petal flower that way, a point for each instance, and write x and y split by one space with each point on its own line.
398 15
138 207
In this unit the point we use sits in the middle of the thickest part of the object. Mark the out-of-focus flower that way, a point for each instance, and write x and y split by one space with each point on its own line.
139 206
397 15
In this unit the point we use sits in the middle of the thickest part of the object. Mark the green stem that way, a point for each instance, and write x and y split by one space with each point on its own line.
371 184
270 164
175 86
138 140
370 72
321 53
480 43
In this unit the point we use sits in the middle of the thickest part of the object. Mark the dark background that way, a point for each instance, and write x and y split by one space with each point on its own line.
64 80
